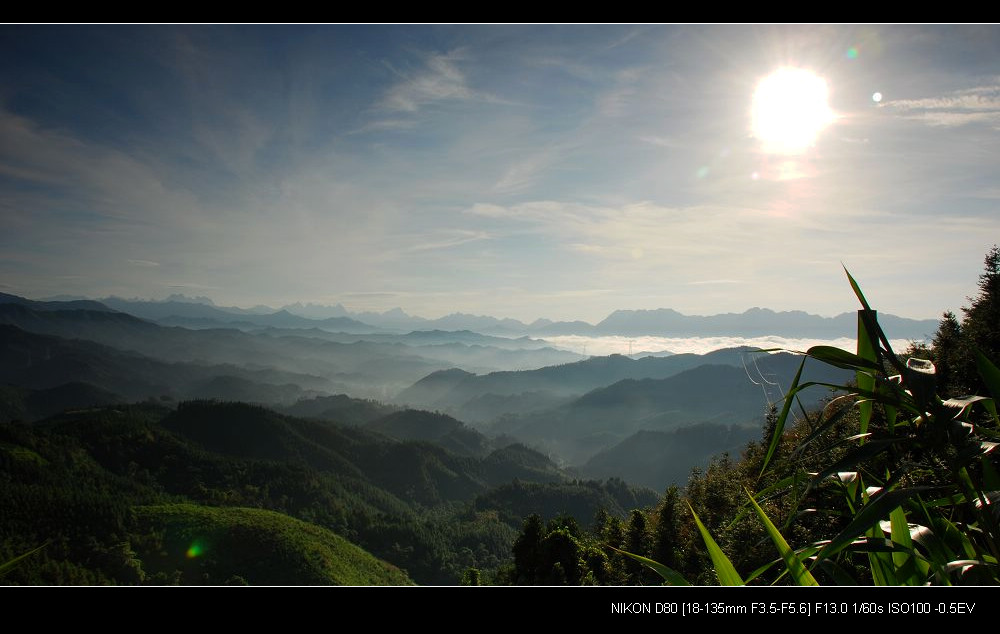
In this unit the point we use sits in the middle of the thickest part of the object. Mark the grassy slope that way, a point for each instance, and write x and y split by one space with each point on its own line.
212 545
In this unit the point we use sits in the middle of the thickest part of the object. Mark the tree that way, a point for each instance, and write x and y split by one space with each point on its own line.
472 577
981 326
637 542
955 344
527 551
947 348
561 556
665 534
609 531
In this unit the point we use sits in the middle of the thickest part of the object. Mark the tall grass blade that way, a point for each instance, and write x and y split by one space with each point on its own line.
938 552
880 562
780 486
837 573
991 479
865 380
857 289
856 456
877 508
671 576
779 426
723 567
796 569
990 374
841 358
7 566
822 428
904 558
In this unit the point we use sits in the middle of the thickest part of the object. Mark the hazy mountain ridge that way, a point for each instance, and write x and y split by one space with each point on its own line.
200 315
440 429
45 362
466 395
67 304
720 394
657 459
666 322
572 411
362 368
755 322
579 499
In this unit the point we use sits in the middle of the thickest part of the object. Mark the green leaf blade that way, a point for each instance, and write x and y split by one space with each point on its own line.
799 573
671 576
723 566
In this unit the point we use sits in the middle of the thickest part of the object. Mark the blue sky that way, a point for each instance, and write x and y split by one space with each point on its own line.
518 171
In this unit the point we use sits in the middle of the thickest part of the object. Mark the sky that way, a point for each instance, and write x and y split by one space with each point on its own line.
541 171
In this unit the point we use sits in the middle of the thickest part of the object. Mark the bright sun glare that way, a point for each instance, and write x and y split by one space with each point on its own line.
790 110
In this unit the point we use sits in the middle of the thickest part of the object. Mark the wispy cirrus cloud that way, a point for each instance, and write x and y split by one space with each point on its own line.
980 104
525 172
447 240
385 124
713 282
440 79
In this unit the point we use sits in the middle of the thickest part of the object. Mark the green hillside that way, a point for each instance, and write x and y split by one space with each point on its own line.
75 481
210 545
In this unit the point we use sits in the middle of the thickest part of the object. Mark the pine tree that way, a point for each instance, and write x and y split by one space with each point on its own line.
981 326
955 344
637 542
947 347
665 534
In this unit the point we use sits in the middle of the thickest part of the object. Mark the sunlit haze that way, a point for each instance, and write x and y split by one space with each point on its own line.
546 171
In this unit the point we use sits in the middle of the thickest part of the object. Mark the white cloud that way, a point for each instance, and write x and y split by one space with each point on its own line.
618 101
980 104
445 240
441 79
127 186
613 344
525 171
660 141
712 282
385 124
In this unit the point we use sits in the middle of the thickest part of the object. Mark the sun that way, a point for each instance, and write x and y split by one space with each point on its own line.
790 110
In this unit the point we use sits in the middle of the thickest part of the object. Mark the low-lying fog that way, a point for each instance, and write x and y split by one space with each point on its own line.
599 346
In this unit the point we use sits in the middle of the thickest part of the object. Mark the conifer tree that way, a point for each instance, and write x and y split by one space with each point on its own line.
665 535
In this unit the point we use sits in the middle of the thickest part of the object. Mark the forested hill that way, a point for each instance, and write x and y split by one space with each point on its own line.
232 493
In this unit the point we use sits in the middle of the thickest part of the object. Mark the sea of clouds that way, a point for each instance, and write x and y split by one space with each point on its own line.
602 346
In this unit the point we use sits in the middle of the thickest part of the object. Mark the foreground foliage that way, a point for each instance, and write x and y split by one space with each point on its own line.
889 484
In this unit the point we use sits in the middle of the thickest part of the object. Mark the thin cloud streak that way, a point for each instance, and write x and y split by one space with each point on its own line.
980 104
440 80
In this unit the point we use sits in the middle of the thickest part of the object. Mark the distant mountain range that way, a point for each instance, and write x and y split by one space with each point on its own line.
714 391
659 458
476 423
46 344
665 322
485 390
